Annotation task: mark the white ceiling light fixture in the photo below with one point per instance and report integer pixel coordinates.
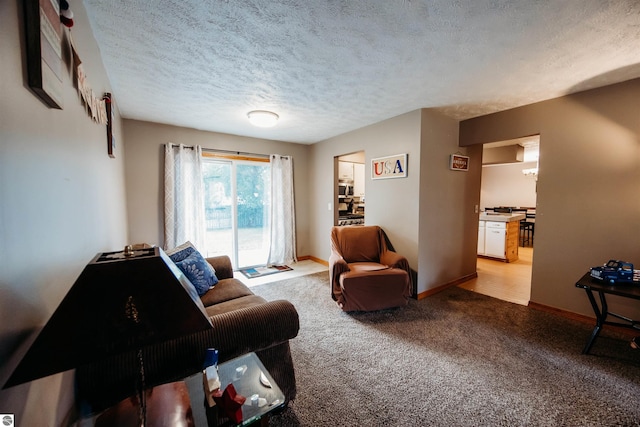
(263, 118)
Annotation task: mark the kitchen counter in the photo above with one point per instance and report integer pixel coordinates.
(501, 217)
(498, 235)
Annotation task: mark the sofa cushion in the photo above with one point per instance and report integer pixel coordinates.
(235, 304)
(199, 272)
(225, 290)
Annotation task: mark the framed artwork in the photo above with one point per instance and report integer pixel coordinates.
(111, 143)
(458, 162)
(389, 167)
(44, 32)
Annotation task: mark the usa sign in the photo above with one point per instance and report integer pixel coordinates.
(389, 167)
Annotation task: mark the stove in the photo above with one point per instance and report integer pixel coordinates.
(351, 219)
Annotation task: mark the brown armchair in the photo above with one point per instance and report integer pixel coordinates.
(365, 274)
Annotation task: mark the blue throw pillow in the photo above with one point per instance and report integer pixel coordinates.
(199, 272)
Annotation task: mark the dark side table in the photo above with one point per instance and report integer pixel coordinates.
(591, 285)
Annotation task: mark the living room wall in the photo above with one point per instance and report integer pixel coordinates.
(145, 174)
(448, 224)
(587, 206)
(63, 201)
(429, 215)
(390, 203)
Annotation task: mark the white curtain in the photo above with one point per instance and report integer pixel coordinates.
(183, 196)
(283, 220)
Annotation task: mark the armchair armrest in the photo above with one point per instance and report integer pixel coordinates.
(337, 266)
(222, 265)
(337, 263)
(393, 259)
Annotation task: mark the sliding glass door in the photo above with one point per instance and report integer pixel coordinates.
(237, 206)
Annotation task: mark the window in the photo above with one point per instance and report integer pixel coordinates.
(237, 206)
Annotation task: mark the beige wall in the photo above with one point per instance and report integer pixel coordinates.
(145, 165)
(448, 221)
(506, 185)
(390, 203)
(588, 209)
(62, 200)
(429, 216)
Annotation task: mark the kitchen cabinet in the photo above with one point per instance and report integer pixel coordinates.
(345, 171)
(494, 240)
(500, 239)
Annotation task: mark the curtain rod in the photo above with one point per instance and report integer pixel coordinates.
(237, 153)
(213, 150)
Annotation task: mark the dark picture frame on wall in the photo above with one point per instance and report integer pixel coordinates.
(44, 32)
(458, 162)
(111, 143)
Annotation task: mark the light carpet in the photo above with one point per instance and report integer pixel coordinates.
(456, 358)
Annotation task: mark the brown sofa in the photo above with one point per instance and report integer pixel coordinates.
(242, 322)
(365, 274)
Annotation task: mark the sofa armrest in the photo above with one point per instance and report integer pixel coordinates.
(253, 328)
(222, 265)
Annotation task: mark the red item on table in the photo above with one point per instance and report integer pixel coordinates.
(230, 402)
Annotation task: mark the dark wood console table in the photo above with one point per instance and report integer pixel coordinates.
(591, 285)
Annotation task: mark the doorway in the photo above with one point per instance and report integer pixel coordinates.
(349, 196)
(509, 180)
(237, 206)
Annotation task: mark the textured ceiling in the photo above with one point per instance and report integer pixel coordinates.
(329, 67)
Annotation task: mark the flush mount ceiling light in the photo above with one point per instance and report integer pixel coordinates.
(262, 118)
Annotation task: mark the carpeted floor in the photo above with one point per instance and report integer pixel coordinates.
(454, 359)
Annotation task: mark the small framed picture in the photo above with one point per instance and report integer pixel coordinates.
(458, 162)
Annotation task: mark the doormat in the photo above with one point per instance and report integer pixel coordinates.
(254, 272)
